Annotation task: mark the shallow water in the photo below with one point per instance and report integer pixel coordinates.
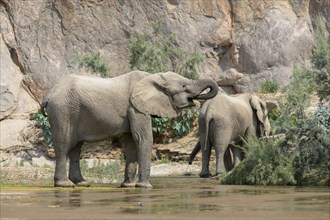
(176, 198)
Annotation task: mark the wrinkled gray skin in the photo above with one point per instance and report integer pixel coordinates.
(225, 120)
(85, 108)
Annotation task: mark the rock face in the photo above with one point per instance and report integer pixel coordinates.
(243, 41)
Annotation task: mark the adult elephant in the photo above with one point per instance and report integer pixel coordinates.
(223, 122)
(85, 108)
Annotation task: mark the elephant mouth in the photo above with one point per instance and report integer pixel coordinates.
(189, 103)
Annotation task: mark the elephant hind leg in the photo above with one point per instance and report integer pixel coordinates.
(60, 177)
(220, 146)
(74, 169)
(131, 155)
(206, 154)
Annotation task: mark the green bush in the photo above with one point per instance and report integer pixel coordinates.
(321, 61)
(311, 141)
(177, 127)
(269, 86)
(321, 57)
(160, 53)
(297, 97)
(43, 123)
(94, 63)
(266, 162)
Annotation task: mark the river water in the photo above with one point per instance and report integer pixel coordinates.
(171, 198)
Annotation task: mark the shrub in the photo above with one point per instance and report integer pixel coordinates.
(321, 57)
(321, 61)
(296, 99)
(177, 127)
(94, 63)
(184, 122)
(311, 141)
(269, 86)
(266, 162)
(43, 123)
(160, 53)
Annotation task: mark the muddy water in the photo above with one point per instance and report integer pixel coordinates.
(171, 198)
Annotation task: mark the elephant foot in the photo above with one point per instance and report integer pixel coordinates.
(144, 184)
(204, 175)
(128, 184)
(64, 183)
(83, 183)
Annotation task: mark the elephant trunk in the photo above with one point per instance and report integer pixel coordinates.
(206, 84)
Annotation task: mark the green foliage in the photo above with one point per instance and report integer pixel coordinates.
(184, 122)
(43, 123)
(160, 125)
(178, 127)
(269, 86)
(296, 100)
(311, 141)
(94, 63)
(321, 61)
(160, 53)
(165, 160)
(322, 79)
(266, 162)
(321, 58)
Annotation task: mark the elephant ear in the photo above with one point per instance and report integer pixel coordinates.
(260, 106)
(149, 96)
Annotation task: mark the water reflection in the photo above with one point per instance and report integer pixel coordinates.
(68, 199)
(182, 197)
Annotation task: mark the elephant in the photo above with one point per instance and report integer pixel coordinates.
(84, 108)
(223, 122)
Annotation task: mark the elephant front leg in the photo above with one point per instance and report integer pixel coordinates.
(144, 165)
(131, 155)
(141, 130)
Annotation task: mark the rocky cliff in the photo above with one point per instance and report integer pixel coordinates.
(243, 42)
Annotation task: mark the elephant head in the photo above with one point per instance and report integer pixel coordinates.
(163, 94)
(263, 128)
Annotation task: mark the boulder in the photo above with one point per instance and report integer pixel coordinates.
(11, 132)
(10, 79)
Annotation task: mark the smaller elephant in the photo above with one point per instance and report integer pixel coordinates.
(223, 122)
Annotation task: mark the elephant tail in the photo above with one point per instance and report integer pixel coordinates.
(43, 107)
(205, 137)
(194, 152)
